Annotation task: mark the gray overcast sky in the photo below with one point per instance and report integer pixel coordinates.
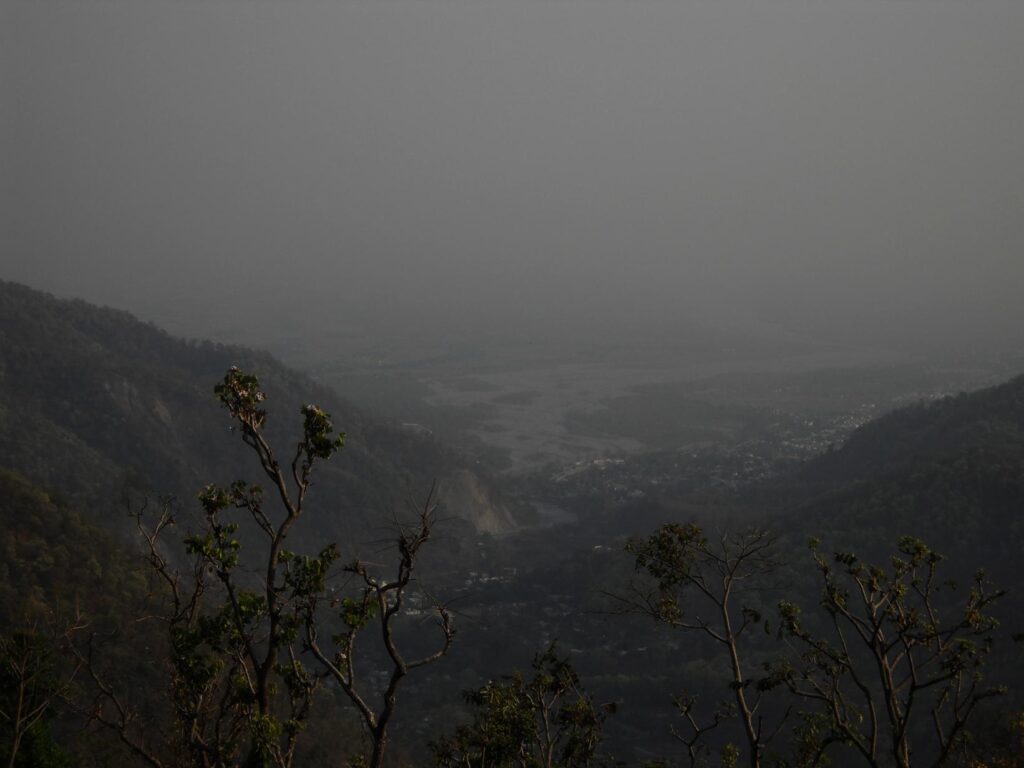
(846, 168)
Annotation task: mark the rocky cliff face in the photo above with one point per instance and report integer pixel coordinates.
(471, 498)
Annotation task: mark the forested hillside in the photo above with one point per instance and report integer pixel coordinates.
(94, 402)
(951, 470)
(919, 435)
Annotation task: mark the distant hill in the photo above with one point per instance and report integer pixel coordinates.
(917, 436)
(950, 472)
(94, 402)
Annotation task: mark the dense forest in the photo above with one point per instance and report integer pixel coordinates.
(170, 595)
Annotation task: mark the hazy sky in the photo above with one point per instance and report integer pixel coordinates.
(843, 168)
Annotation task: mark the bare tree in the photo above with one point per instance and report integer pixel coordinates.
(379, 600)
(692, 734)
(888, 666)
(206, 658)
(33, 683)
(697, 584)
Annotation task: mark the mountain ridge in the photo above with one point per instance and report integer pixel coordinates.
(93, 400)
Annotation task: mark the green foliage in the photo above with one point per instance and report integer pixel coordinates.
(240, 393)
(356, 614)
(670, 554)
(39, 749)
(316, 431)
(31, 683)
(307, 575)
(55, 565)
(547, 720)
(232, 608)
(243, 652)
(900, 652)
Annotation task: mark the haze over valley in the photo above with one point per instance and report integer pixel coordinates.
(450, 383)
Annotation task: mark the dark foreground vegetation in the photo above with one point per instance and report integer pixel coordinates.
(302, 614)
